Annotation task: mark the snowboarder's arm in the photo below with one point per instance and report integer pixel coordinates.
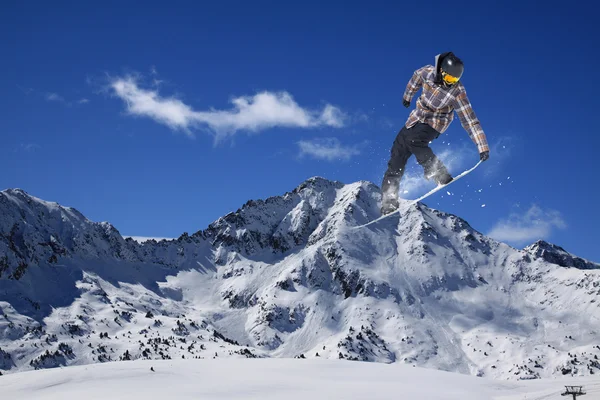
(415, 83)
(470, 122)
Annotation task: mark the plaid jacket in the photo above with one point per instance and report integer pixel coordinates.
(437, 104)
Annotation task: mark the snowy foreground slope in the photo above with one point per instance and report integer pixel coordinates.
(272, 379)
(290, 276)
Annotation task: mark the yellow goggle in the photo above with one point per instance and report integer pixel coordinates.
(449, 79)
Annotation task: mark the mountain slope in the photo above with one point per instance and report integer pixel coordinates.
(291, 276)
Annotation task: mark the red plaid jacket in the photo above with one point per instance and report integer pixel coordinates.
(437, 104)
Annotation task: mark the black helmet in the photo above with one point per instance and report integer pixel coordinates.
(451, 69)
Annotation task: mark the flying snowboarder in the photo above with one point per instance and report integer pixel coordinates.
(443, 93)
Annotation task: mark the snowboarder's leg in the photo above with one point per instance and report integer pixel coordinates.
(417, 140)
(391, 179)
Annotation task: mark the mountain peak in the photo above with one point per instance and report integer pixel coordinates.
(557, 255)
(318, 183)
(21, 195)
(15, 191)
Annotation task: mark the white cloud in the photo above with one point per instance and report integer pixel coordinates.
(333, 116)
(329, 149)
(83, 101)
(411, 183)
(54, 97)
(251, 113)
(526, 228)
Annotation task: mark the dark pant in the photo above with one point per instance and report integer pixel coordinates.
(414, 140)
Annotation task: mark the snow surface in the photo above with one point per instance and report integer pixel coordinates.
(271, 379)
(289, 277)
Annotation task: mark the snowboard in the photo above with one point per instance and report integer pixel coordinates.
(432, 191)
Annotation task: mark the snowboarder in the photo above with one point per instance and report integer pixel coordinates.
(443, 93)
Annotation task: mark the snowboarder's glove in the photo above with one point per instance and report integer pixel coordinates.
(406, 103)
(484, 155)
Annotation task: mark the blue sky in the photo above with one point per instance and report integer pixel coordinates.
(161, 117)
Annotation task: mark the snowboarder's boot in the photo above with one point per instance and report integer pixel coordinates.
(389, 205)
(440, 175)
(443, 178)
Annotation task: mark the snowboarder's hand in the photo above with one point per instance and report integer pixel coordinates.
(406, 103)
(484, 155)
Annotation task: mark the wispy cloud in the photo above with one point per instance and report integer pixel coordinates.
(55, 97)
(27, 147)
(250, 113)
(155, 81)
(330, 149)
(524, 228)
(52, 96)
(25, 90)
(331, 116)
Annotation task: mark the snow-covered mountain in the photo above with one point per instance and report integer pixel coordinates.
(292, 276)
(557, 255)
